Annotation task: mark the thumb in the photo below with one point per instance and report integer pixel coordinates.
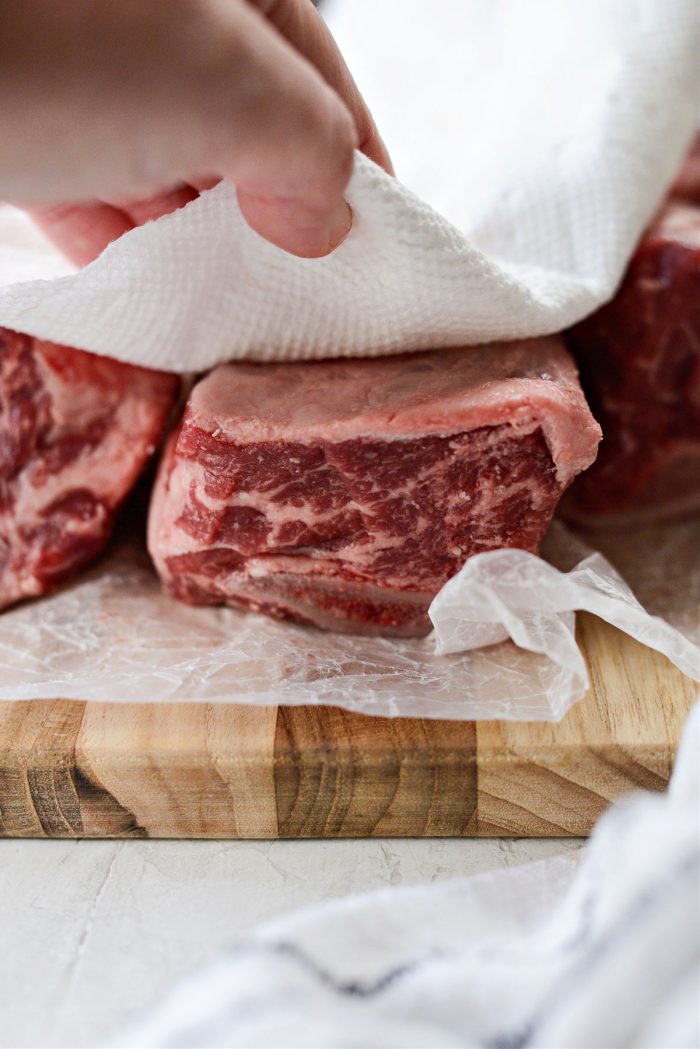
(294, 159)
(295, 226)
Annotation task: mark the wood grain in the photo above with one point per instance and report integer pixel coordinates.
(93, 770)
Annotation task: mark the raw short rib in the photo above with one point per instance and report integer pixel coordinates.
(687, 184)
(75, 432)
(639, 359)
(346, 493)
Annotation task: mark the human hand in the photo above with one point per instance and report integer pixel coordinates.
(115, 113)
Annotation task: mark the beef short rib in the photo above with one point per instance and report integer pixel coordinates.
(687, 184)
(75, 432)
(639, 359)
(346, 493)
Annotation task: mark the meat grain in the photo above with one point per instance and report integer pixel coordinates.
(75, 433)
(639, 359)
(687, 184)
(346, 493)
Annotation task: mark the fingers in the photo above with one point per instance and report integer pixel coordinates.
(291, 150)
(140, 211)
(81, 231)
(161, 95)
(246, 105)
(304, 232)
(300, 23)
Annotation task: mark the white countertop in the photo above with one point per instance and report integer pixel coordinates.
(94, 931)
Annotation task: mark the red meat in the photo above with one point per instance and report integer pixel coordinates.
(639, 359)
(687, 184)
(75, 432)
(345, 493)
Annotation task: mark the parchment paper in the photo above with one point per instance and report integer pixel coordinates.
(113, 635)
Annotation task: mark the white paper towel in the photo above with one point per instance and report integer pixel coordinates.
(545, 131)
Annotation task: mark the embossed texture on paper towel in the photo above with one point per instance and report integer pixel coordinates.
(543, 134)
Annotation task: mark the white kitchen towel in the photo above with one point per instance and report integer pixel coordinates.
(594, 952)
(543, 134)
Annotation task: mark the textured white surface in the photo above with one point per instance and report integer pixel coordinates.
(136, 643)
(543, 133)
(94, 932)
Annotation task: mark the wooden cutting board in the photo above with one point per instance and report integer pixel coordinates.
(92, 770)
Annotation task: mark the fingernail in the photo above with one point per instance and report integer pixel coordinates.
(340, 225)
(294, 228)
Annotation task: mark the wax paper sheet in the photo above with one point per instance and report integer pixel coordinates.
(113, 635)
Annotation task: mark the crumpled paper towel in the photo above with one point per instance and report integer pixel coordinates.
(543, 133)
(114, 635)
